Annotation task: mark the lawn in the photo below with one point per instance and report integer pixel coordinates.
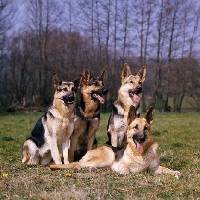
(178, 136)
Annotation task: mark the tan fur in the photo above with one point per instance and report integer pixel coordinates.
(87, 114)
(54, 127)
(141, 152)
(131, 87)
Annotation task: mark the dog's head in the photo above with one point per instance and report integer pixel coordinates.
(93, 87)
(139, 132)
(66, 91)
(131, 86)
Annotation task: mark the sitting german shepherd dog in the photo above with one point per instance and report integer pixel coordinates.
(87, 115)
(54, 127)
(129, 94)
(138, 155)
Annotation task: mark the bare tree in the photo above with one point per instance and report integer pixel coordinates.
(173, 12)
(187, 66)
(144, 10)
(125, 15)
(42, 16)
(157, 92)
(7, 13)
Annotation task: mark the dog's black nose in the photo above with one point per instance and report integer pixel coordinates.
(68, 99)
(71, 97)
(141, 139)
(138, 89)
(104, 91)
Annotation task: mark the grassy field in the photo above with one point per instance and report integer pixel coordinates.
(177, 134)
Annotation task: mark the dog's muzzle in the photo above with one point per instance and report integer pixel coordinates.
(69, 99)
(140, 138)
(104, 91)
(98, 95)
(139, 142)
(138, 90)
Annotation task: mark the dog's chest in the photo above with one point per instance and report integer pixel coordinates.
(138, 162)
(63, 130)
(120, 125)
(59, 125)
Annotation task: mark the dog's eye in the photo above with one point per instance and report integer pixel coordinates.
(140, 82)
(136, 126)
(64, 89)
(145, 128)
(96, 83)
(73, 89)
(131, 82)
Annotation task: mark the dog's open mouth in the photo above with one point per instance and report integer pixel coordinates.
(99, 98)
(135, 97)
(69, 99)
(68, 102)
(139, 146)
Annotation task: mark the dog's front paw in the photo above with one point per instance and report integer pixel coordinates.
(124, 171)
(66, 162)
(58, 162)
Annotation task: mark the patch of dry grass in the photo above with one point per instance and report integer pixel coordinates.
(177, 135)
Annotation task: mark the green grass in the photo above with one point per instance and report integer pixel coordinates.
(177, 134)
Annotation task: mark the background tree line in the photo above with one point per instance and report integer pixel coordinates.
(40, 37)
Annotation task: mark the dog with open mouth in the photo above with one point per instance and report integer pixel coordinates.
(87, 115)
(139, 154)
(129, 94)
(54, 127)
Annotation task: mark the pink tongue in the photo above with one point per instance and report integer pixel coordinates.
(101, 99)
(139, 147)
(136, 98)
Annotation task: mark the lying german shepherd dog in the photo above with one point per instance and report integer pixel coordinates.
(87, 115)
(54, 127)
(138, 155)
(129, 94)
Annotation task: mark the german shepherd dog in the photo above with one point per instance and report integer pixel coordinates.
(87, 115)
(138, 155)
(129, 94)
(54, 127)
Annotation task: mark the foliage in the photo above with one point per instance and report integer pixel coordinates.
(177, 135)
(65, 36)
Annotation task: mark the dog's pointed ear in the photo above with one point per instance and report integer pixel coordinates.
(126, 71)
(86, 76)
(149, 116)
(77, 82)
(56, 80)
(101, 76)
(142, 73)
(86, 73)
(131, 114)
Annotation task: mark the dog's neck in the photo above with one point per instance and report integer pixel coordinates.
(131, 147)
(123, 109)
(88, 108)
(89, 114)
(63, 109)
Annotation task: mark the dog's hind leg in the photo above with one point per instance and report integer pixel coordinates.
(34, 159)
(30, 153)
(98, 158)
